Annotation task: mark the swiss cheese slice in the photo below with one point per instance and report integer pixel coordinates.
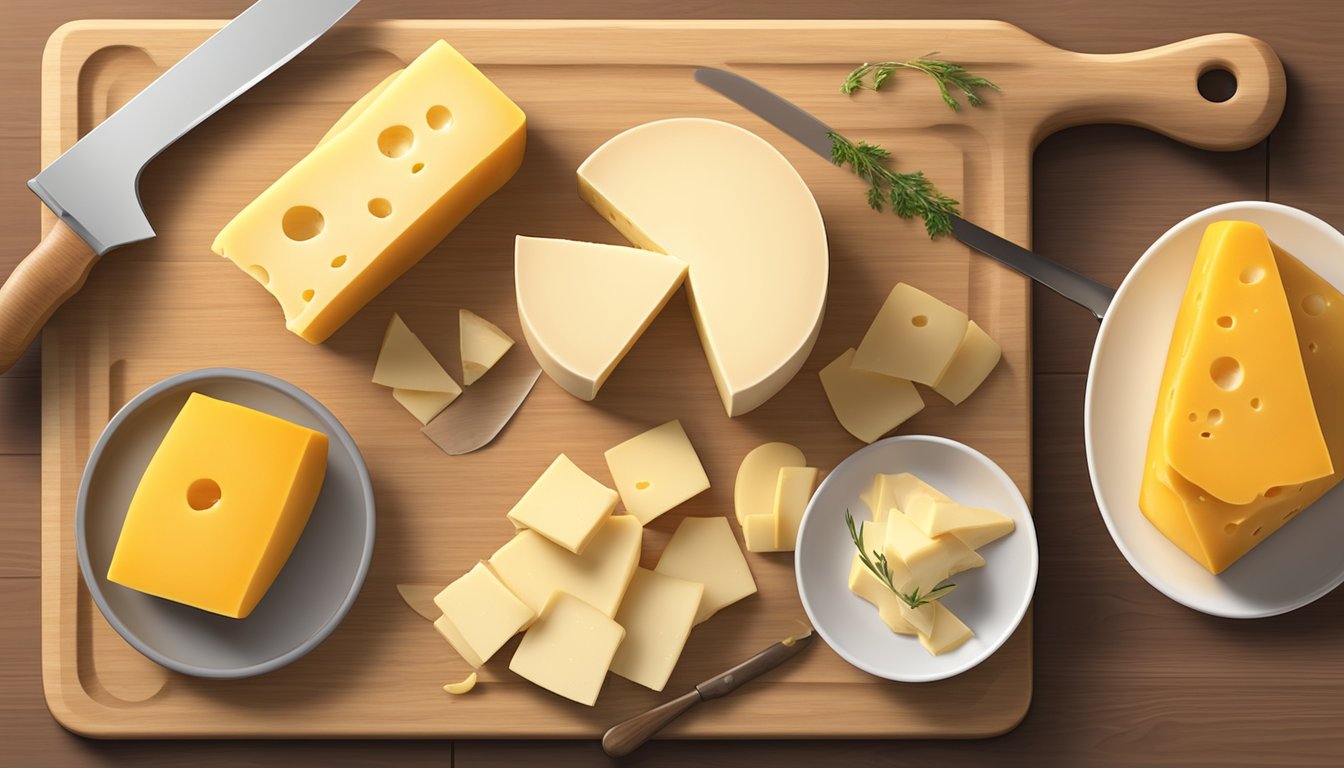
(758, 476)
(481, 342)
(584, 305)
(733, 207)
(1240, 420)
(533, 567)
(569, 649)
(868, 405)
(914, 336)
(394, 177)
(656, 470)
(703, 549)
(657, 614)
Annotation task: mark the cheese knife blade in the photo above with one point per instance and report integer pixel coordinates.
(625, 737)
(487, 406)
(816, 136)
(93, 188)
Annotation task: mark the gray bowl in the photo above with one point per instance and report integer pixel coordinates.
(314, 590)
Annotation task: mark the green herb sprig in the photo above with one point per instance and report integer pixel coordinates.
(908, 194)
(882, 570)
(947, 75)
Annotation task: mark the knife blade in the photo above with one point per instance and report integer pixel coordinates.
(486, 407)
(812, 133)
(93, 188)
(625, 737)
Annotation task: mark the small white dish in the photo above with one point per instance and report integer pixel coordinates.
(991, 600)
(1298, 564)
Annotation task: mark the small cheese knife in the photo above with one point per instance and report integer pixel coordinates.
(815, 135)
(94, 186)
(624, 738)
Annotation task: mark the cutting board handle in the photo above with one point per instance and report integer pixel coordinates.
(42, 282)
(1158, 89)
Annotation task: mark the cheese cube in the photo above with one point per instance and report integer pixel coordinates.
(949, 633)
(569, 649)
(974, 527)
(533, 567)
(565, 505)
(365, 205)
(703, 549)
(930, 561)
(759, 533)
(657, 614)
(417, 380)
(656, 470)
(758, 476)
(482, 613)
(914, 337)
(482, 343)
(868, 405)
(970, 366)
(792, 494)
(220, 507)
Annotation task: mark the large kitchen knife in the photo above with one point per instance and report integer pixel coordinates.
(94, 187)
(816, 136)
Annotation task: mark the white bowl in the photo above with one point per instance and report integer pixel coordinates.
(991, 600)
(1299, 563)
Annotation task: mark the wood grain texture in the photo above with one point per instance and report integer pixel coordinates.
(1074, 721)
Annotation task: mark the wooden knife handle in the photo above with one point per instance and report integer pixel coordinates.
(42, 282)
(624, 738)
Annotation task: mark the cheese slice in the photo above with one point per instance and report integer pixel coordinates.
(759, 533)
(656, 470)
(758, 477)
(424, 406)
(1213, 532)
(424, 149)
(868, 586)
(220, 507)
(974, 360)
(703, 549)
(565, 505)
(481, 614)
(914, 337)
(737, 212)
(973, 526)
(418, 382)
(482, 343)
(792, 494)
(929, 560)
(569, 649)
(1240, 417)
(949, 633)
(533, 567)
(868, 405)
(657, 614)
(584, 305)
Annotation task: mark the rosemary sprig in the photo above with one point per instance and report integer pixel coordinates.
(908, 194)
(882, 570)
(947, 75)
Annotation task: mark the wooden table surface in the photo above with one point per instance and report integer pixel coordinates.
(1123, 675)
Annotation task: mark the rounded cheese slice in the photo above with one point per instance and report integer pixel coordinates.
(731, 206)
(584, 305)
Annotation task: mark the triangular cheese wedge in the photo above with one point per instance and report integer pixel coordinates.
(482, 343)
(583, 305)
(1241, 419)
(973, 526)
(424, 406)
(405, 363)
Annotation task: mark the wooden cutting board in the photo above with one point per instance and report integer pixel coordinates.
(168, 305)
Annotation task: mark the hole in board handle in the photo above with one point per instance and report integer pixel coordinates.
(1217, 84)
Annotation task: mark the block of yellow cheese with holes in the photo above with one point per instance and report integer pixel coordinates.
(1240, 418)
(1210, 530)
(220, 507)
(400, 170)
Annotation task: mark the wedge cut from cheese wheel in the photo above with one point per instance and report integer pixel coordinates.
(974, 526)
(732, 206)
(1235, 343)
(404, 362)
(914, 336)
(584, 305)
(868, 405)
(424, 406)
(569, 649)
(657, 614)
(971, 365)
(533, 567)
(481, 342)
(758, 476)
(703, 549)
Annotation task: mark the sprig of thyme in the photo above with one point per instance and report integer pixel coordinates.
(882, 570)
(947, 75)
(908, 194)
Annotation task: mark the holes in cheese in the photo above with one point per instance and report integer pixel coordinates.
(203, 494)
(584, 305)
(417, 380)
(565, 505)
(482, 344)
(657, 613)
(569, 649)
(480, 614)
(381, 222)
(662, 461)
(868, 405)
(704, 550)
(913, 337)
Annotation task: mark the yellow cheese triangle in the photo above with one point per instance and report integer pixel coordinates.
(406, 363)
(424, 406)
(482, 344)
(1241, 420)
